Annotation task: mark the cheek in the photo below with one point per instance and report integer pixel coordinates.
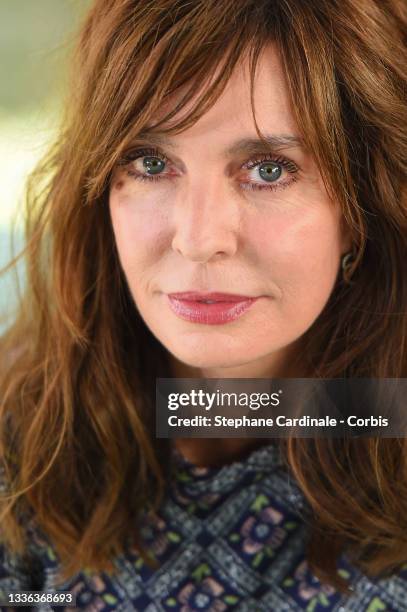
(299, 248)
(139, 227)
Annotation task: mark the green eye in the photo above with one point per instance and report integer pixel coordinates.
(153, 165)
(269, 171)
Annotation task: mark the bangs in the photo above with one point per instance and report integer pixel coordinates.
(179, 88)
(201, 93)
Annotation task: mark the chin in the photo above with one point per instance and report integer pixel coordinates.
(204, 359)
(210, 357)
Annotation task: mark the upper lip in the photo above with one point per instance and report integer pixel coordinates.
(215, 296)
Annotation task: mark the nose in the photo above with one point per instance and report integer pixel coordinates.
(207, 221)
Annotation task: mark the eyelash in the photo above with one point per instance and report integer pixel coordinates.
(252, 163)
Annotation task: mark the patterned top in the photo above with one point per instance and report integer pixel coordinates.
(227, 538)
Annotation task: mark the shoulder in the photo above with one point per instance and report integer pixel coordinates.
(389, 593)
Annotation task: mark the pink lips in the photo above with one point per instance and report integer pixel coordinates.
(225, 307)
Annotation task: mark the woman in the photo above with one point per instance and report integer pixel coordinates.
(254, 148)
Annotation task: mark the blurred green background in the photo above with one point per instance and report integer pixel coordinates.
(36, 39)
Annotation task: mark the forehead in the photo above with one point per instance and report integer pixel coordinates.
(232, 112)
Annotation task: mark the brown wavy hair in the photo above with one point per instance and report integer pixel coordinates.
(78, 363)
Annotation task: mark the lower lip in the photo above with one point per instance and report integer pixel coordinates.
(210, 314)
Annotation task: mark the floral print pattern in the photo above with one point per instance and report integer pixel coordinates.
(230, 538)
(203, 592)
(307, 588)
(262, 532)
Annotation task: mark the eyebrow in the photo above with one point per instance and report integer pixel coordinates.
(241, 146)
(273, 141)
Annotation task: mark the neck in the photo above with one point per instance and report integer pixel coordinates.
(212, 452)
(215, 452)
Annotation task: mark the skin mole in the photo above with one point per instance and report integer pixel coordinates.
(118, 184)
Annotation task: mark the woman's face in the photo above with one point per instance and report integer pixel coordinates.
(221, 214)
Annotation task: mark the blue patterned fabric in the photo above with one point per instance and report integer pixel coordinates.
(229, 538)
